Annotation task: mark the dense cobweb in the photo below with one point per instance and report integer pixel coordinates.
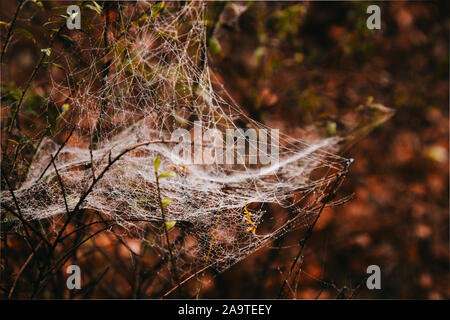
(154, 80)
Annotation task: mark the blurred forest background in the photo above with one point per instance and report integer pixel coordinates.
(309, 65)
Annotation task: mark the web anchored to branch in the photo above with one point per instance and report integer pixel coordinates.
(155, 97)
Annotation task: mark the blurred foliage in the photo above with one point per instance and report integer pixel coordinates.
(310, 69)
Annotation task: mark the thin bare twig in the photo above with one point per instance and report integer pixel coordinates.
(111, 162)
(329, 197)
(15, 111)
(94, 283)
(166, 232)
(56, 154)
(207, 257)
(63, 190)
(23, 221)
(19, 215)
(185, 280)
(11, 28)
(64, 258)
(22, 269)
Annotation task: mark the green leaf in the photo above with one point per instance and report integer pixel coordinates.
(47, 51)
(166, 201)
(25, 33)
(38, 3)
(64, 109)
(58, 8)
(50, 22)
(167, 174)
(259, 53)
(170, 224)
(57, 65)
(96, 7)
(215, 46)
(66, 39)
(331, 128)
(157, 163)
(157, 8)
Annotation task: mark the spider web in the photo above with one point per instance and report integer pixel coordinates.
(157, 79)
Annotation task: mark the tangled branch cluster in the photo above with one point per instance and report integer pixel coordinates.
(141, 85)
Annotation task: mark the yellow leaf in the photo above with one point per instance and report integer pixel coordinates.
(170, 224)
(13, 141)
(167, 174)
(157, 163)
(165, 202)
